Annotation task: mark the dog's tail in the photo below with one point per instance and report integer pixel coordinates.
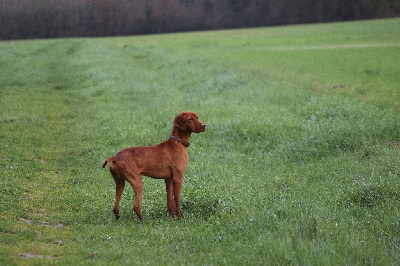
(108, 161)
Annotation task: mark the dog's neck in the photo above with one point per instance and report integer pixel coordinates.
(183, 142)
(180, 136)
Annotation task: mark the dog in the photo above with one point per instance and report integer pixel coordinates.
(166, 160)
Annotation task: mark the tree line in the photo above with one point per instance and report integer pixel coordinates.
(21, 19)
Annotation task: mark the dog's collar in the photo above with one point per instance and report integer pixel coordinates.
(183, 142)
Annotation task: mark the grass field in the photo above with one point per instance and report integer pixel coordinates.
(300, 162)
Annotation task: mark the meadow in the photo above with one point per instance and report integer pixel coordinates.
(299, 164)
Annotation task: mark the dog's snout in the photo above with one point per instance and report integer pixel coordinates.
(203, 126)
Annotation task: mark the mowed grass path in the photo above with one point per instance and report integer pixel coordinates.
(299, 163)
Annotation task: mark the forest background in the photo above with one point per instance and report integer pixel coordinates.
(24, 19)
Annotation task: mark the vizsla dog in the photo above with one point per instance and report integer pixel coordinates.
(166, 160)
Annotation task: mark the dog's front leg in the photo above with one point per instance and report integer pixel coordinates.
(177, 195)
(170, 195)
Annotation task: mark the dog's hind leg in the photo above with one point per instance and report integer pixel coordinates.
(119, 188)
(136, 182)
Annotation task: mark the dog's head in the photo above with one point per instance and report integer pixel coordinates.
(189, 121)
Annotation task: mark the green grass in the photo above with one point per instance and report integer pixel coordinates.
(289, 170)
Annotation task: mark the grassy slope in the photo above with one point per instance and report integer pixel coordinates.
(282, 175)
(352, 59)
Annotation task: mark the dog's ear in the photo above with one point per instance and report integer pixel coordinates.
(180, 122)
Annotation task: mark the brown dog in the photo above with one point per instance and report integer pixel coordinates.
(166, 160)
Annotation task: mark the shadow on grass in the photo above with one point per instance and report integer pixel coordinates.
(199, 208)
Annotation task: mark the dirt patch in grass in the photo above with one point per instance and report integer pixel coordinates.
(29, 255)
(33, 222)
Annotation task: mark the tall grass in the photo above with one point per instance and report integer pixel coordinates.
(284, 174)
